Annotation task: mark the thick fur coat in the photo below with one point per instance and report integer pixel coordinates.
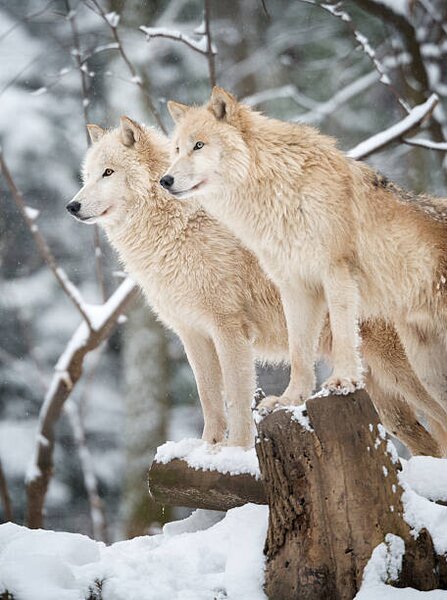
(329, 231)
(211, 291)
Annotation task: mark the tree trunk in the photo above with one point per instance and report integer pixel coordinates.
(334, 494)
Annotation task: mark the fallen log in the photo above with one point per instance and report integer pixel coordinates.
(176, 483)
(331, 480)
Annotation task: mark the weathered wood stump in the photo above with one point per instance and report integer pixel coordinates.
(176, 483)
(334, 494)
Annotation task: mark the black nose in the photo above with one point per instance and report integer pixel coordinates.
(73, 207)
(167, 181)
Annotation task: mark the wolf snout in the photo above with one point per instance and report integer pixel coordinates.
(166, 181)
(73, 207)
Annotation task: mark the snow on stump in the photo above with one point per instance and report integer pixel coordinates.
(192, 473)
(330, 476)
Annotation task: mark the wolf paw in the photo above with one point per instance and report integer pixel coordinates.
(342, 385)
(270, 403)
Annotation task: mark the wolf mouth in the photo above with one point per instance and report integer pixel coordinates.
(181, 193)
(93, 218)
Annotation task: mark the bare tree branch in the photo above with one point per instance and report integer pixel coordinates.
(82, 70)
(209, 46)
(112, 20)
(67, 372)
(30, 216)
(4, 495)
(97, 512)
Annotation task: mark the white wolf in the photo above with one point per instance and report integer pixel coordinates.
(331, 233)
(212, 292)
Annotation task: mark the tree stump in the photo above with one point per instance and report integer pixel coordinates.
(334, 494)
(177, 484)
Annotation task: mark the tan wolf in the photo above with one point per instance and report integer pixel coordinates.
(329, 231)
(212, 292)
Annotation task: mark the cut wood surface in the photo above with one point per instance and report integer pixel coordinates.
(334, 494)
(178, 484)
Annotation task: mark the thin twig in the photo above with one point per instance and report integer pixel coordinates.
(97, 512)
(82, 70)
(131, 68)
(4, 495)
(68, 287)
(209, 46)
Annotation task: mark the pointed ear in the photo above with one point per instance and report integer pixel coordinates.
(222, 104)
(177, 110)
(95, 132)
(131, 131)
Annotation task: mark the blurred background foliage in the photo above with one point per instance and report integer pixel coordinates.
(290, 58)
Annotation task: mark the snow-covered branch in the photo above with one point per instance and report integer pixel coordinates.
(203, 45)
(416, 116)
(30, 215)
(67, 372)
(199, 46)
(428, 144)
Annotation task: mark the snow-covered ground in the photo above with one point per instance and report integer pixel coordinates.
(208, 556)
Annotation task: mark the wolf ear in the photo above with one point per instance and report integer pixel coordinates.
(176, 110)
(95, 132)
(131, 131)
(222, 104)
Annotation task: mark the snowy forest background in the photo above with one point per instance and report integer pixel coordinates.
(67, 62)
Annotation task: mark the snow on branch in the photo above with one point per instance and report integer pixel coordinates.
(199, 46)
(429, 144)
(416, 116)
(67, 286)
(67, 372)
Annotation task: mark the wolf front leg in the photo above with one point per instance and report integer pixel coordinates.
(202, 357)
(304, 308)
(239, 379)
(342, 297)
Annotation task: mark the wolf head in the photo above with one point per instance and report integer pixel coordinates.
(118, 161)
(208, 146)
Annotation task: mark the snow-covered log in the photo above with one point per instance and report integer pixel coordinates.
(176, 483)
(331, 479)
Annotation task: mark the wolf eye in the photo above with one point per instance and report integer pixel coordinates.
(198, 145)
(108, 172)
